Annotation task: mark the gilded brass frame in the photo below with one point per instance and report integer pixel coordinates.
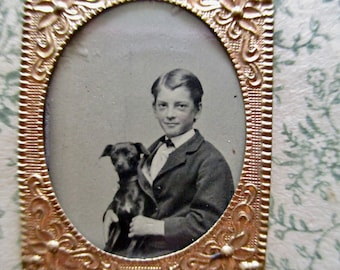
(238, 241)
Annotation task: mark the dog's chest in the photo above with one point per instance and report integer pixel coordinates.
(129, 200)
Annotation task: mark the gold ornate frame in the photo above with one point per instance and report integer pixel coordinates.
(238, 241)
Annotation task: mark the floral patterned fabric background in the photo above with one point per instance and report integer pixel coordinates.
(304, 228)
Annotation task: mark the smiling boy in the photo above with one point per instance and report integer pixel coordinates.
(187, 181)
(192, 186)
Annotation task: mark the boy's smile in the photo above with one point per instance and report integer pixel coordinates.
(175, 111)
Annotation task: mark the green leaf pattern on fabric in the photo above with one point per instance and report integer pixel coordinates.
(304, 223)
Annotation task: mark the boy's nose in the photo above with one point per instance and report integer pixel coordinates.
(170, 113)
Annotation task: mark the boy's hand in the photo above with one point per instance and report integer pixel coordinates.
(141, 226)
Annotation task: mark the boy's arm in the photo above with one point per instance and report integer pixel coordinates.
(215, 189)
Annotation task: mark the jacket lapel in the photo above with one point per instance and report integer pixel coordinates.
(175, 159)
(144, 184)
(143, 181)
(179, 156)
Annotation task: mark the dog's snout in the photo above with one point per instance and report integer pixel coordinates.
(120, 163)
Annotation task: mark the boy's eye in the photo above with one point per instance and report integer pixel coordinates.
(161, 105)
(182, 106)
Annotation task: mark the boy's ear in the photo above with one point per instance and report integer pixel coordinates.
(200, 107)
(199, 111)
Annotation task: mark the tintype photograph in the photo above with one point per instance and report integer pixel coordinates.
(145, 130)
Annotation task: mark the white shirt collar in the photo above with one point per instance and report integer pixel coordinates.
(183, 138)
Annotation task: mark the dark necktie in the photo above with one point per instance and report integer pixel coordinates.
(163, 140)
(168, 142)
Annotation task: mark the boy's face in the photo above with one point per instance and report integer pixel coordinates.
(175, 111)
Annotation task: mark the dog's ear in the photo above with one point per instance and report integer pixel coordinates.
(141, 148)
(108, 150)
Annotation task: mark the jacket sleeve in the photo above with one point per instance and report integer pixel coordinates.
(214, 190)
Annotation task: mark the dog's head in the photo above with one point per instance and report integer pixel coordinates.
(125, 156)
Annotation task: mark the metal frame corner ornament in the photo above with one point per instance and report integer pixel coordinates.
(238, 241)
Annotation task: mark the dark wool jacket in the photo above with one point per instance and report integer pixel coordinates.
(190, 193)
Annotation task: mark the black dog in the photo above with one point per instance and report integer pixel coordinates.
(129, 200)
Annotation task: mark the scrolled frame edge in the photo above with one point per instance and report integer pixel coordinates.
(36, 192)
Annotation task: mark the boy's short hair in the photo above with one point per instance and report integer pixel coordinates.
(178, 78)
